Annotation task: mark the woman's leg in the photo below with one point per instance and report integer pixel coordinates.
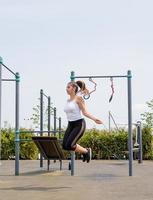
(73, 133)
(80, 149)
(66, 136)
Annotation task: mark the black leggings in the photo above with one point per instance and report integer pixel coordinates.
(73, 133)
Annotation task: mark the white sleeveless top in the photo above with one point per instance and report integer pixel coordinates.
(72, 110)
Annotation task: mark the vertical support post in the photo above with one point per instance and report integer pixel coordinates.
(54, 121)
(41, 122)
(140, 142)
(1, 61)
(130, 136)
(72, 162)
(72, 77)
(49, 114)
(60, 127)
(17, 136)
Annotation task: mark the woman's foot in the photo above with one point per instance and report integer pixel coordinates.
(87, 156)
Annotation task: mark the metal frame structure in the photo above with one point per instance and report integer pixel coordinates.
(17, 130)
(138, 139)
(72, 77)
(41, 131)
(128, 76)
(42, 94)
(17, 81)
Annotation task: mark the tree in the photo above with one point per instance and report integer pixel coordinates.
(36, 116)
(147, 117)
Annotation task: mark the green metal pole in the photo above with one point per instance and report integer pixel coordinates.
(17, 137)
(41, 122)
(72, 77)
(60, 128)
(139, 128)
(130, 135)
(49, 114)
(55, 122)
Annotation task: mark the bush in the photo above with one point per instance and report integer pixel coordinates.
(7, 144)
(105, 145)
(147, 143)
(28, 150)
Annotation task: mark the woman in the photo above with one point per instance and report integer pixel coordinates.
(76, 124)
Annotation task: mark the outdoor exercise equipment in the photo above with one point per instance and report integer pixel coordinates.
(128, 76)
(54, 144)
(50, 148)
(112, 88)
(137, 146)
(17, 82)
(17, 130)
(87, 96)
(45, 142)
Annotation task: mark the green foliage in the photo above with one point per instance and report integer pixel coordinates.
(28, 150)
(147, 117)
(36, 115)
(105, 145)
(7, 143)
(147, 143)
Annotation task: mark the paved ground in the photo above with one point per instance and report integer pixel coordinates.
(99, 180)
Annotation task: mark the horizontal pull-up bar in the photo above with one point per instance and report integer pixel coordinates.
(109, 76)
(101, 76)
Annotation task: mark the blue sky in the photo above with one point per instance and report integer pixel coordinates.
(45, 40)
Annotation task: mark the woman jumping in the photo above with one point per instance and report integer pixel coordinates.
(76, 124)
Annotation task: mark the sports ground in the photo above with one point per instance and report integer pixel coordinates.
(99, 180)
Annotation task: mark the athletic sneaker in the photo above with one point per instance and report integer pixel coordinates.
(84, 157)
(87, 156)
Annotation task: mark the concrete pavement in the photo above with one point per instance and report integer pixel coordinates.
(99, 180)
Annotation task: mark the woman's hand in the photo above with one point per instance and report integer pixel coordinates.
(98, 121)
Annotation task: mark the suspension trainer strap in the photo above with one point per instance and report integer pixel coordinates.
(87, 96)
(112, 87)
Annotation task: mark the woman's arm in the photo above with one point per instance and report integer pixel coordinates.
(81, 103)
